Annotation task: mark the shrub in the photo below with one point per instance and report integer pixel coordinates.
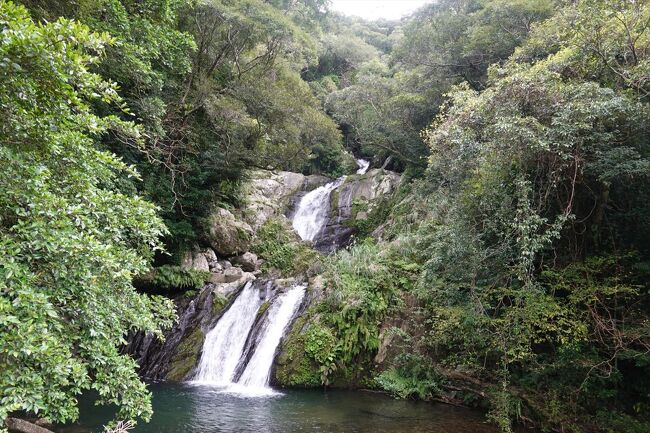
(281, 250)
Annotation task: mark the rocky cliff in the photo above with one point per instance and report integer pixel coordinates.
(352, 202)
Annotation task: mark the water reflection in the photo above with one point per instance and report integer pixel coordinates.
(202, 409)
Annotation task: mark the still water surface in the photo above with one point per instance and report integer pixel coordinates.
(183, 408)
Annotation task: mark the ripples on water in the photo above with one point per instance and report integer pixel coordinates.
(202, 409)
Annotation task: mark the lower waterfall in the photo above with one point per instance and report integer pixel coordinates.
(224, 345)
(258, 369)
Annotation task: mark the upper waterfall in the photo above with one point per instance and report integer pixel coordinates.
(313, 209)
(363, 166)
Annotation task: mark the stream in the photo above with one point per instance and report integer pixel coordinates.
(186, 408)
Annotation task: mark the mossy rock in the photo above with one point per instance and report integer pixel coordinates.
(294, 368)
(186, 356)
(334, 201)
(219, 301)
(227, 234)
(281, 249)
(265, 306)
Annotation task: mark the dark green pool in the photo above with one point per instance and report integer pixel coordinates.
(199, 409)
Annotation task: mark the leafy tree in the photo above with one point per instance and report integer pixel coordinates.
(457, 40)
(544, 173)
(70, 241)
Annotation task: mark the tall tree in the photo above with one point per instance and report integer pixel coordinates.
(70, 240)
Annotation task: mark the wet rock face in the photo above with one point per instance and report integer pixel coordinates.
(269, 193)
(175, 358)
(367, 189)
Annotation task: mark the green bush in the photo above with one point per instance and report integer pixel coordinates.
(281, 250)
(363, 286)
(413, 376)
(169, 277)
(321, 346)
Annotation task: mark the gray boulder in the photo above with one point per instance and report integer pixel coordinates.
(224, 264)
(210, 257)
(247, 261)
(229, 275)
(18, 425)
(196, 260)
(227, 288)
(227, 234)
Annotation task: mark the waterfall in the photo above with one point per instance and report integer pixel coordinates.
(313, 209)
(363, 166)
(228, 346)
(224, 344)
(254, 379)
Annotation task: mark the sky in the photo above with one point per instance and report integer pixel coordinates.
(374, 9)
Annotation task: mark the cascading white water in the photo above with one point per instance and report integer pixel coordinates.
(313, 209)
(363, 166)
(224, 344)
(255, 378)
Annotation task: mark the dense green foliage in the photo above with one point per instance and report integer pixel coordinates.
(282, 250)
(169, 278)
(546, 169)
(363, 284)
(70, 240)
(525, 229)
(392, 79)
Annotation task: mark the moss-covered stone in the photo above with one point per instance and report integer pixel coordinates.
(282, 250)
(265, 306)
(294, 368)
(186, 356)
(219, 301)
(334, 201)
(227, 234)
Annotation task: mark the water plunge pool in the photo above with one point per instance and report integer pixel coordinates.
(186, 408)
